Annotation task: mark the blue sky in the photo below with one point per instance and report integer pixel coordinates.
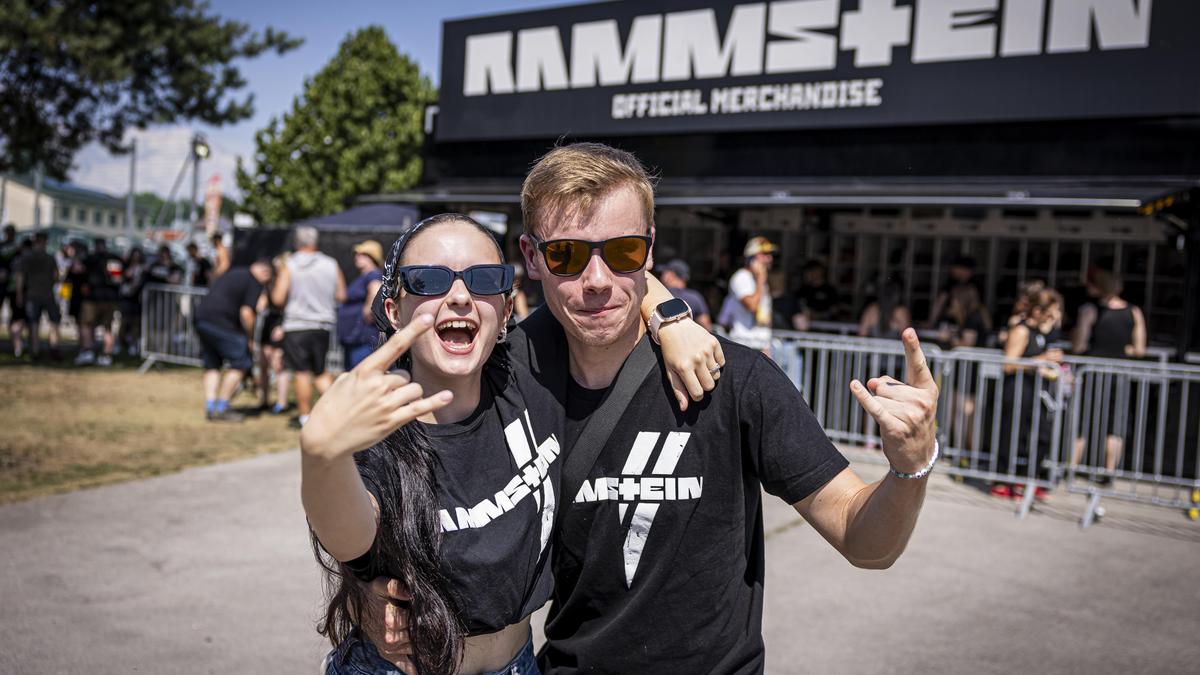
(414, 27)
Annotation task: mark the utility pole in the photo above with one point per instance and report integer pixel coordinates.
(199, 152)
(37, 198)
(129, 197)
(3, 195)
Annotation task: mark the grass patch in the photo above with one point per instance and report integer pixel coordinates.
(65, 428)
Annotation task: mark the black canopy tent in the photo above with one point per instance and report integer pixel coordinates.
(340, 232)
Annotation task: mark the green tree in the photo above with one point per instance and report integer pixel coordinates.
(357, 129)
(76, 71)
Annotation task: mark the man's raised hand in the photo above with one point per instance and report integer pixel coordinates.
(905, 412)
(365, 405)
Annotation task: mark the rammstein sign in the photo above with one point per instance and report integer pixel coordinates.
(677, 66)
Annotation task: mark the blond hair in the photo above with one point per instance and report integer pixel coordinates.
(568, 181)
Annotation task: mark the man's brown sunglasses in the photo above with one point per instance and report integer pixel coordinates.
(568, 257)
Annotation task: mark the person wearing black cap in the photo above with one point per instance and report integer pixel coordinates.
(674, 275)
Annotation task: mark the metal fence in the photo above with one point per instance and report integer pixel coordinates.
(1106, 428)
(169, 333)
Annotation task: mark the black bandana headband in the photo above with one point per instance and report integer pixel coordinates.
(389, 284)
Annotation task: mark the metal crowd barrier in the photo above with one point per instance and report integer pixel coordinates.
(1134, 434)
(1025, 423)
(169, 334)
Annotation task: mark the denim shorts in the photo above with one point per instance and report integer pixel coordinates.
(357, 656)
(219, 345)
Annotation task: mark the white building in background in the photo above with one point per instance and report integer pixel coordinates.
(63, 205)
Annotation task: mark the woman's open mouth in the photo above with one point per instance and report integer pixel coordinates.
(457, 335)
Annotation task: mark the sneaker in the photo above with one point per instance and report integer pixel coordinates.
(1041, 494)
(104, 360)
(85, 359)
(1001, 490)
(294, 423)
(226, 416)
(281, 409)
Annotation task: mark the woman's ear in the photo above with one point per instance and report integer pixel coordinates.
(393, 312)
(510, 301)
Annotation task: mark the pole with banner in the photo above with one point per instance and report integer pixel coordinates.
(212, 206)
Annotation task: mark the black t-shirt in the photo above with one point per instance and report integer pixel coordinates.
(160, 272)
(223, 304)
(499, 481)
(103, 272)
(659, 558)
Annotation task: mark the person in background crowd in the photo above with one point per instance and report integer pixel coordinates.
(1028, 338)
(76, 280)
(16, 319)
(8, 251)
(130, 304)
(100, 294)
(520, 298)
(962, 273)
(674, 275)
(222, 255)
(886, 315)
(270, 340)
(198, 271)
(225, 326)
(164, 269)
(746, 311)
(36, 272)
(356, 325)
(1112, 328)
(816, 299)
(309, 288)
(62, 291)
(964, 322)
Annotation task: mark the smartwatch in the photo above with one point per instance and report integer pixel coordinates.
(668, 312)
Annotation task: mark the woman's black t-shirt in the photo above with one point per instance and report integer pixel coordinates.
(498, 487)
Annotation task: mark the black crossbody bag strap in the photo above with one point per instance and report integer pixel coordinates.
(582, 456)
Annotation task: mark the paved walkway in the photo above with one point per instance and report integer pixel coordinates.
(210, 571)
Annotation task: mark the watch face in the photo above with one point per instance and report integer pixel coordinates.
(673, 308)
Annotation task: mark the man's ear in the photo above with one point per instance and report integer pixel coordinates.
(529, 252)
(650, 253)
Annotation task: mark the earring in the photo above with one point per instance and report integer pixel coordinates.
(503, 334)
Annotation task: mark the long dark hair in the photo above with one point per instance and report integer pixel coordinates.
(401, 471)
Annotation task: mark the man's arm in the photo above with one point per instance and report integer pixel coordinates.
(339, 292)
(283, 281)
(871, 524)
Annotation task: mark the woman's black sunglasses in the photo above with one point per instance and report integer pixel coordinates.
(568, 257)
(437, 279)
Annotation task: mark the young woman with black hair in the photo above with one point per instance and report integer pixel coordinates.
(453, 494)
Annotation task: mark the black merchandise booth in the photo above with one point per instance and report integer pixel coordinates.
(1040, 138)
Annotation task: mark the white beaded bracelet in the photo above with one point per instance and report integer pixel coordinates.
(923, 472)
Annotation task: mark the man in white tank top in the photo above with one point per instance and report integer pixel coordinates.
(309, 288)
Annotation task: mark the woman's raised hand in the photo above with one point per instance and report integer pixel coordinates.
(694, 359)
(364, 406)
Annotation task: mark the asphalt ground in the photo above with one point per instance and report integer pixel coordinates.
(211, 571)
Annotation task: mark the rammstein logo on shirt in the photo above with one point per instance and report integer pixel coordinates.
(530, 479)
(644, 491)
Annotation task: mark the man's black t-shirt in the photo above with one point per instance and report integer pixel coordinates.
(232, 291)
(498, 485)
(659, 558)
(160, 272)
(103, 270)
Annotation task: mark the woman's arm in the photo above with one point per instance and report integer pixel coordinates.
(692, 355)
(360, 409)
(1014, 347)
(1138, 349)
(372, 289)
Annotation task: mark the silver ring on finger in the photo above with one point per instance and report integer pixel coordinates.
(715, 370)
